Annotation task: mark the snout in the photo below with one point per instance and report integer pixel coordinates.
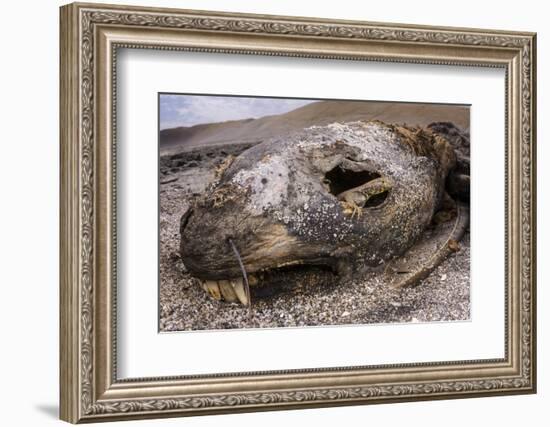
(214, 245)
(231, 252)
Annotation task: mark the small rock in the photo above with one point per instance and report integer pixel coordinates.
(443, 277)
(454, 245)
(345, 314)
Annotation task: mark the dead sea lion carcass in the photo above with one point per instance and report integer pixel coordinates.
(337, 198)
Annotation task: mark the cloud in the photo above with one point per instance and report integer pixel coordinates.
(189, 110)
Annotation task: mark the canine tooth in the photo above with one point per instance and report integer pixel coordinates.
(213, 289)
(238, 286)
(227, 290)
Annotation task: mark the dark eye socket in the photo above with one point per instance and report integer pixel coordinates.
(340, 179)
(377, 199)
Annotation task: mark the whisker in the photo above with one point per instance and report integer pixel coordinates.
(245, 276)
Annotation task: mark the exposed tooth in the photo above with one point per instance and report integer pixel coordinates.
(238, 287)
(213, 289)
(227, 290)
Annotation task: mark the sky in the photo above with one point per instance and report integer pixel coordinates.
(189, 110)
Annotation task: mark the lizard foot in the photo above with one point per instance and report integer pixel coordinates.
(352, 209)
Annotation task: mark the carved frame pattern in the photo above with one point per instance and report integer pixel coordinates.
(79, 398)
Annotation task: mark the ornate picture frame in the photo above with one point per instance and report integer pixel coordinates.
(90, 37)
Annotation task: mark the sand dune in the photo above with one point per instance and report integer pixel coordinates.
(317, 113)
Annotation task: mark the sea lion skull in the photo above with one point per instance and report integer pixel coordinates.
(340, 197)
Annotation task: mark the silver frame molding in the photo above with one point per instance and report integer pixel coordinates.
(90, 37)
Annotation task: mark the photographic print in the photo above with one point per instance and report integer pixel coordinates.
(281, 212)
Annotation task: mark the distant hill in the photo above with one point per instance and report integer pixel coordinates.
(317, 113)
